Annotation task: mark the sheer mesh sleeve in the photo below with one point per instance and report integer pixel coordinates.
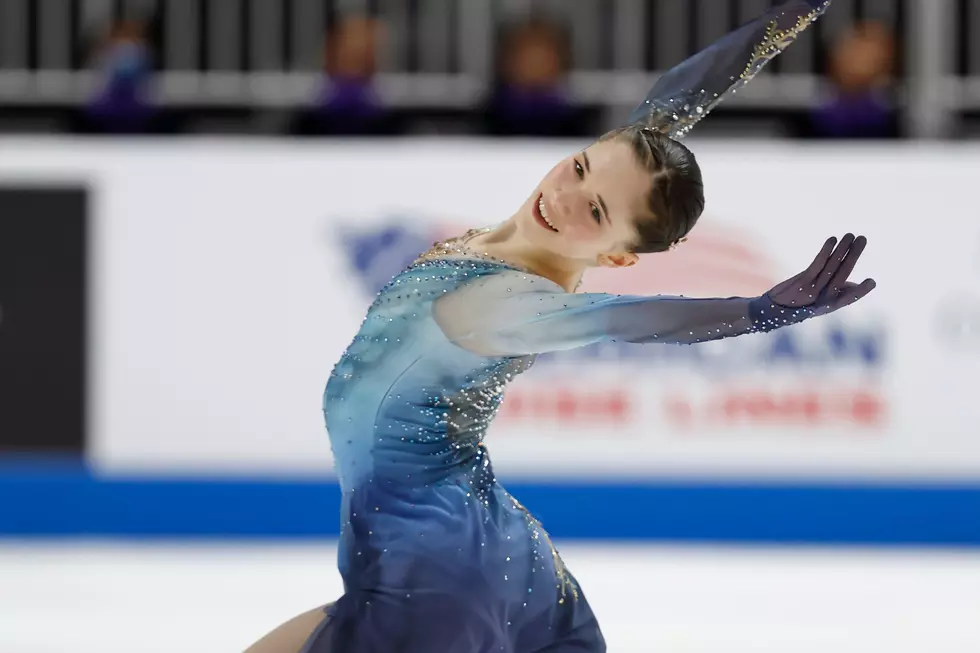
(514, 314)
(686, 93)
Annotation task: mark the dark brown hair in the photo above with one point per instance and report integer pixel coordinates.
(676, 198)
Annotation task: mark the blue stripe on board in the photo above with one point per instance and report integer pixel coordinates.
(63, 499)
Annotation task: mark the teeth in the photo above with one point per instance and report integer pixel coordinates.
(544, 212)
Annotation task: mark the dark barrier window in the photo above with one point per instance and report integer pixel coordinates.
(42, 319)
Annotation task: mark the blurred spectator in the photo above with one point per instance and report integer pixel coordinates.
(529, 98)
(860, 104)
(349, 103)
(122, 105)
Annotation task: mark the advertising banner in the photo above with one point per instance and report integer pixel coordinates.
(228, 277)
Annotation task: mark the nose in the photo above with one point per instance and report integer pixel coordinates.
(567, 202)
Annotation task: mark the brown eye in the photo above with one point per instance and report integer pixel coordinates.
(596, 214)
(579, 170)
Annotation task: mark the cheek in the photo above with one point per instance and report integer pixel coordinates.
(584, 232)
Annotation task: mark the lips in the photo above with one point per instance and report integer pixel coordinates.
(541, 214)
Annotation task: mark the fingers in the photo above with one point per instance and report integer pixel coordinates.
(839, 278)
(849, 293)
(863, 289)
(828, 272)
(820, 261)
(833, 263)
(852, 292)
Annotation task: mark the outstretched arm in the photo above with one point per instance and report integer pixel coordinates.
(514, 314)
(686, 93)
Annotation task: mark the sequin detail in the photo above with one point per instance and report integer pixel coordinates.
(776, 40)
(458, 249)
(682, 99)
(410, 402)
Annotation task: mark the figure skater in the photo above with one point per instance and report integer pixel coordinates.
(435, 555)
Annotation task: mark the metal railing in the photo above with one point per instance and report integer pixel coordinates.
(441, 53)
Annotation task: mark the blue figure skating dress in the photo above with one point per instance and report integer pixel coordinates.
(435, 555)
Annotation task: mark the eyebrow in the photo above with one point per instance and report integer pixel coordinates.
(585, 157)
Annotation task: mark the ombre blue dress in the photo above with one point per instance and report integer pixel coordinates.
(435, 555)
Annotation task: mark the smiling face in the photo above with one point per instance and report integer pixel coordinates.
(586, 209)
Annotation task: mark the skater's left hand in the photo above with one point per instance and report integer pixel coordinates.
(823, 287)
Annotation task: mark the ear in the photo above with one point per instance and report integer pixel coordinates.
(624, 260)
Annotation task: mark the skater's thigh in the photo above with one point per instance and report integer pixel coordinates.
(291, 636)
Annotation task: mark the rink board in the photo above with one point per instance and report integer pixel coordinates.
(225, 277)
(65, 500)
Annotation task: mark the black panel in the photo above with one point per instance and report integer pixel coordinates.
(42, 319)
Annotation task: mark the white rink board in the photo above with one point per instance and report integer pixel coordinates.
(225, 286)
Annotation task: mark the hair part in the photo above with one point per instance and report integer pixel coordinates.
(676, 196)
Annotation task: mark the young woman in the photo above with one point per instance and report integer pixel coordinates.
(435, 555)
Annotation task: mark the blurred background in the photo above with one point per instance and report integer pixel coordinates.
(199, 199)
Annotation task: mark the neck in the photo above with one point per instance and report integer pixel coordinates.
(505, 243)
